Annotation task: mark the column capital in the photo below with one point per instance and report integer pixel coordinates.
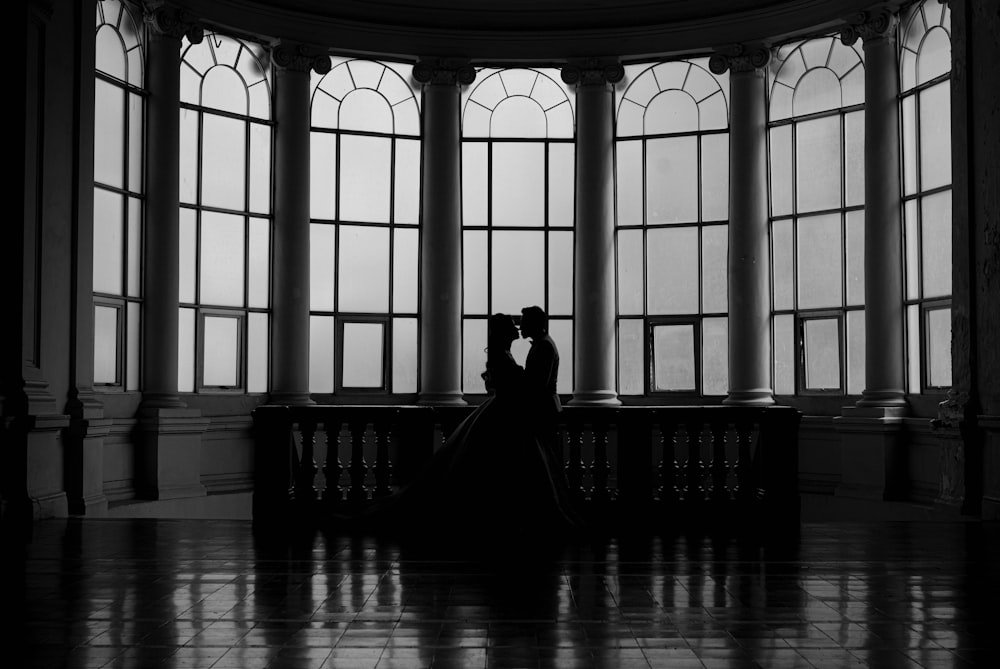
(444, 71)
(739, 58)
(172, 21)
(593, 71)
(873, 24)
(300, 57)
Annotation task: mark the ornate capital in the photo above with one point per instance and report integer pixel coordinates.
(739, 58)
(593, 72)
(873, 24)
(173, 22)
(444, 71)
(300, 57)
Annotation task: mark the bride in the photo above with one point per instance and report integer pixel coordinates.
(491, 478)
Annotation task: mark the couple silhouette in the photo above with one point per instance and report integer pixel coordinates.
(499, 475)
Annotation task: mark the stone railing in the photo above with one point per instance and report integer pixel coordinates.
(632, 467)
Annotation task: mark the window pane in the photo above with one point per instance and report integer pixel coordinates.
(186, 348)
(135, 144)
(855, 352)
(321, 354)
(323, 175)
(257, 353)
(108, 241)
(818, 89)
(672, 180)
(473, 355)
(322, 266)
(672, 270)
(364, 179)
(260, 257)
(630, 272)
(363, 355)
(133, 287)
(189, 156)
(133, 345)
(671, 111)
(855, 257)
(560, 273)
(714, 268)
(364, 269)
(908, 121)
(673, 357)
(188, 253)
(474, 183)
(628, 168)
(474, 272)
(105, 345)
(519, 184)
(223, 160)
(782, 264)
(630, 357)
(821, 341)
(818, 171)
(820, 262)
(911, 233)
(222, 352)
(936, 244)
(854, 158)
(715, 177)
(109, 135)
(404, 270)
(939, 348)
(715, 356)
(780, 152)
(260, 168)
(222, 271)
(406, 203)
(913, 348)
(935, 136)
(784, 354)
(518, 276)
(561, 189)
(404, 355)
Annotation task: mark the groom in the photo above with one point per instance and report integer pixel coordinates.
(541, 370)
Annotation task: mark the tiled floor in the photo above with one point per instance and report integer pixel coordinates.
(145, 593)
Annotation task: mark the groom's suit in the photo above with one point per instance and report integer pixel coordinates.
(541, 371)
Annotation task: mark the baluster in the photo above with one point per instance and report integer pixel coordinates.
(357, 466)
(600, 470)
(694, 470)
(333, 467)
(719, 467)
(305, 478)
(744, 462)
(667, 469)
(383, 468)
(574, 468)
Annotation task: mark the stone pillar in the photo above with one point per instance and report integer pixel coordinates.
(168, 460)
(290, 278)
(872, 430)
(749, 266)
(594, 247)
(441, 234)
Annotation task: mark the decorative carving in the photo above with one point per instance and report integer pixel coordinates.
(952, 411)
(444, 71)
(173, 22)
(300, 57)
(593, 72)
(739, 58)
(874, 24)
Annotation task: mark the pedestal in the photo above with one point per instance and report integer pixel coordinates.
(168, 462)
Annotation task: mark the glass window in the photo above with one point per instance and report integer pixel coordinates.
(118, 194)
(816, 161)
(518, 210)
(225, 217)
(672, 181)
(364, 239)
(925, 103)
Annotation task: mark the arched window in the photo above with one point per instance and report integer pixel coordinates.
(517, 210)
(925, 67)
(672, 161)
(118, 195)
(365, 211)
(816, 156)
(225, 216)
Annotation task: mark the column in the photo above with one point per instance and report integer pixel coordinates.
(441, 233)
(871, 431)
(749, 301)
(169, 451)
(594, 247)
(290, 279)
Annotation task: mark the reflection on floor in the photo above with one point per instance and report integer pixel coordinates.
(197, 593)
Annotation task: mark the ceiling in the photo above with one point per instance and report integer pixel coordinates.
(512, 30)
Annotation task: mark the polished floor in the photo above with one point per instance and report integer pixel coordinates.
(195, 593)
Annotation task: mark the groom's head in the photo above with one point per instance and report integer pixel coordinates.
(534, 322)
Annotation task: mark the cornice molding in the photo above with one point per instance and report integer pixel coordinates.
(172, 21)
(300, 57)
(593, 71)
(444, 71)
(739, 58)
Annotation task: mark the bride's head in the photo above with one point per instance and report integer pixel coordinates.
(501, 333)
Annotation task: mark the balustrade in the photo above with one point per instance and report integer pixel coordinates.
(657, 464)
